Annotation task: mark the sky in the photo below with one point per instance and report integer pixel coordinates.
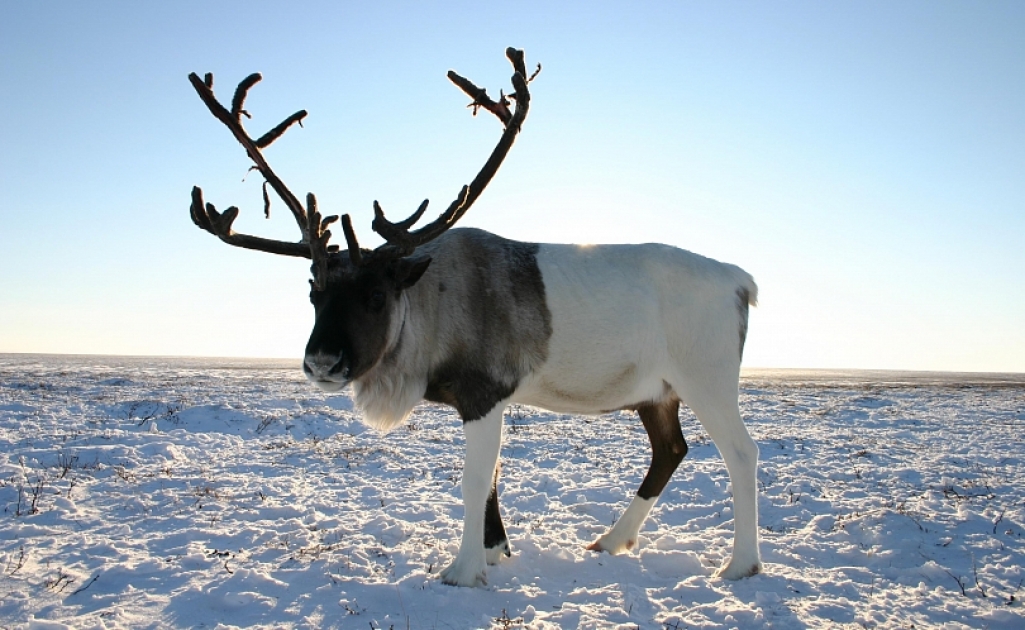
(865, 162)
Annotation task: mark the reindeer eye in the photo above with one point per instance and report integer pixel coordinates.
(376, 300)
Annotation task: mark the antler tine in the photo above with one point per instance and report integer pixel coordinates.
(355, 253)
(408, 222)
(516, 58)
(397, 234)
(219, 224)
(266, 139)
(240, 94)
(402, 242)
(319, 236)
(232, 120)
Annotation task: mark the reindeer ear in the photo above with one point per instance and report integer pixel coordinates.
(407, 271)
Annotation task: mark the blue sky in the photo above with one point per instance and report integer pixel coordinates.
(863, 161)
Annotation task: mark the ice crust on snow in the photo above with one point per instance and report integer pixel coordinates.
(181, 493)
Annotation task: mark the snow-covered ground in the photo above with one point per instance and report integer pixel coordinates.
(160, 493)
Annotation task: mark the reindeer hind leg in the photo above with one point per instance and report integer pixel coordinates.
(713, 399)
(661, 421)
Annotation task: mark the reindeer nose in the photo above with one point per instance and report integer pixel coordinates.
(323, 367)
(341, 367)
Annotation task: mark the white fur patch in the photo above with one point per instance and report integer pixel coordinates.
(386, 395)
(623, 535)
(385, 398)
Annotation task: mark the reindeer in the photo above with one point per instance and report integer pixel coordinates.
(472, 320)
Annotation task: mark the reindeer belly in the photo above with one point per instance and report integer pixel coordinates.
(589, 389)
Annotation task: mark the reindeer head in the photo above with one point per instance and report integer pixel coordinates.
(357, 294)
(359, 315)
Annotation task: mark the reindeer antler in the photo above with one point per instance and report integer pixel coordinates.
(399, 240)
(312, 226)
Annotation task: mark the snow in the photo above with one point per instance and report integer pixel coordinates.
(174, 493)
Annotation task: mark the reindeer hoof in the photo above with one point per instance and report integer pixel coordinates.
(602, 545)
(498, 552)
(465, 574)
(737, 570)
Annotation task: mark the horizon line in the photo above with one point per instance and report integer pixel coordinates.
(793, 371)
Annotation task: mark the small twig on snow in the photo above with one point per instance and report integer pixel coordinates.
(960, 582)
(21, 562)
(975, 573)
(87, 585)
(996, 523)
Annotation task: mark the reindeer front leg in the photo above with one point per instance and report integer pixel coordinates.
(483, 443)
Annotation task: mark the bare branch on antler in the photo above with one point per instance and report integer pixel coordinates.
(534, 75)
